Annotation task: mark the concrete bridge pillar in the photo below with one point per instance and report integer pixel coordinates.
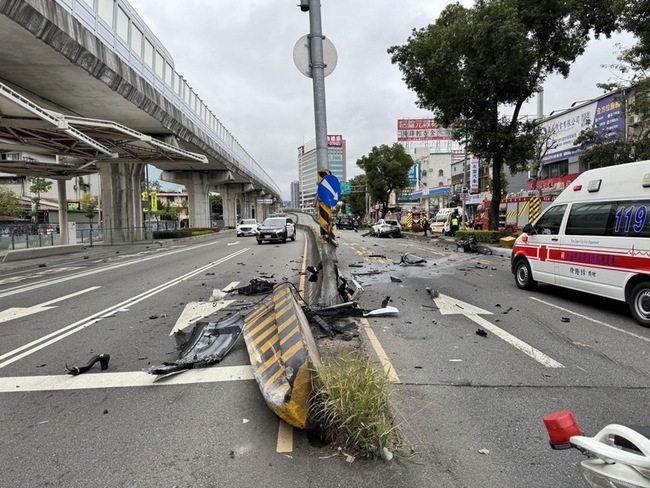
(66, 238)
(249, 210)
(229, 195)
(198, 186)
(121, 201)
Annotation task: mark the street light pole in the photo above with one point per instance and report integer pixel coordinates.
(328, 288)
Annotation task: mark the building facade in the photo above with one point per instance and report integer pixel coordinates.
(308, 167)
(295, 194)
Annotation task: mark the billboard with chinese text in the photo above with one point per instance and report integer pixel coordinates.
(604, 116)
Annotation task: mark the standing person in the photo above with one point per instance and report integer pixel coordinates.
(425, 225)
(453, 227)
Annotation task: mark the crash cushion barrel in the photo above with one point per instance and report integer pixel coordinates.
(283, 354)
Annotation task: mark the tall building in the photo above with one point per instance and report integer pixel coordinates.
(308, 167)
(295, 194)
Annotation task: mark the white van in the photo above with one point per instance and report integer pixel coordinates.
(595, 238)
(440, 223)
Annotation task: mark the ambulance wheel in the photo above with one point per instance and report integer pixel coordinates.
(524, 276)
(640, 303)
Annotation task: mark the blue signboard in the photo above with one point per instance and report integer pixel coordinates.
(329, 190)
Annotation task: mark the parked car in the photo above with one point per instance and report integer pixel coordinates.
(247, 227)
(276, 229)
(346, 223)
(387, 228)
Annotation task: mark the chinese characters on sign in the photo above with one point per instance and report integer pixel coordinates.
(334, 141)
(473, 175)
(421, 130)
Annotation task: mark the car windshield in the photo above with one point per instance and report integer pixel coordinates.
(391, 222)
(248, 221)
(274, 222)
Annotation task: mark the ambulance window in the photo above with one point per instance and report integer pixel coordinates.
(591, 219)
(549, 223)
(631, 218)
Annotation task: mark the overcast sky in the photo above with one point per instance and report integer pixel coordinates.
(238, 57)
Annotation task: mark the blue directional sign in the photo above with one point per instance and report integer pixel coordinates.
(329, 190)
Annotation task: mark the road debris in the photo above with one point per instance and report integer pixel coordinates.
(434, 293)
(207, 344)
(255, 286)
(382, 312)
(409, 259)
(481, 332)
(566, 319)
(395, 280)
(101, 358)
(217, 295)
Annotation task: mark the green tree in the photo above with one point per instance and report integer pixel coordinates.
(37, 186)
(10, 205)
(169, 211)
(357, 197)
(88, 204)
(386, 169)
(476, 63)
(216, 206)
(634, 17)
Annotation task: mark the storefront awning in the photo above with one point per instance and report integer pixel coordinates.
(431, 192)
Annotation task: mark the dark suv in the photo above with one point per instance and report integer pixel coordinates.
(346, 223)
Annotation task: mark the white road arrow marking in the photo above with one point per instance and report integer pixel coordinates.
(19, 312)
(195, 311)
(450, 306)
(327, 185)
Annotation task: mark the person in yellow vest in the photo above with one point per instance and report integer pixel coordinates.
(425, 225)
(453, 224)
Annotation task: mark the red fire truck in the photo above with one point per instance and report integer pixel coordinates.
(515, 211)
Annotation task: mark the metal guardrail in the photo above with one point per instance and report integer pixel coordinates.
(26, 236)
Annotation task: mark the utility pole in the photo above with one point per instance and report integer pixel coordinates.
(328, 288)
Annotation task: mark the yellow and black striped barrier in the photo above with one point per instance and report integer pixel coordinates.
(283, 355)
(325, 214)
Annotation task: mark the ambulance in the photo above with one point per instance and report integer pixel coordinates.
(594, 238)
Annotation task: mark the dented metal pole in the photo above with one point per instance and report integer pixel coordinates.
(328, 288)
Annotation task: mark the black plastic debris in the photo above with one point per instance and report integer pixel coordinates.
(207, 344)
(326, 321)
(433, 293)
(468, 245)
(566, 319)
(395, 280)
(101, 358)
(385, 301)
(412, 260)
(313, 272)
(255, 286)
(481, 332)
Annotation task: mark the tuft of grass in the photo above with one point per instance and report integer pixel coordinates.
(354, 401)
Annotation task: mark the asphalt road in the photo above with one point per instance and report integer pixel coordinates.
(471, 406)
